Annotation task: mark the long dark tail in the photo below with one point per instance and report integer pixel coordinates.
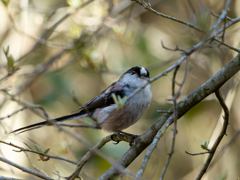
(43, 123)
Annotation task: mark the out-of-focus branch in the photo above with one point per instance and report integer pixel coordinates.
(24, 169)
(220, 153)
(8, 178)
(196, 154)
(190, 25)
(36, 152)
(215, 15)
(194, 48)
(41, 69)
(175, 111)
(87, 144)
(92, 151)
(183, 106)
(35, 108)
(47, 33)
(35, 167)
(15, 112)
(187, 53)
(218, 140)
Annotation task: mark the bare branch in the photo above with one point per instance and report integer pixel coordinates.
(218, 140)
(175, 111)
(92, 151)
(8, 178)
(15, 112)
(35, 167)
(189, 24)
(196, 154)
(176, 48)
(24, 169)
(215, 15)
(32, 107)
(36, 152)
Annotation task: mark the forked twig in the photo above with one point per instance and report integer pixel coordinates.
(218, 140)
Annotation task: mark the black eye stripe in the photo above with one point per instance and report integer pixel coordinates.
(138, 70)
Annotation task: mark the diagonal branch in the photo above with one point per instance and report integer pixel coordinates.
(209, 87)
(24, 169)
(92, 151)
(218, 140)
(36, 152)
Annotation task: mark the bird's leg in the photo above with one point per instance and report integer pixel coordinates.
(133, 136)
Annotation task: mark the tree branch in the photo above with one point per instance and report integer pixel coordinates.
(218, 140)
(24, 169)
(183, 106)
(36, 152)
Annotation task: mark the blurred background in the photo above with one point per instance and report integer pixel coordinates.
(60, 48)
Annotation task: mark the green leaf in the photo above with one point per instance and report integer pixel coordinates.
(6, 51)
(207, 143)
(10, 61)
(87, 120)
(5, 2)
(114, 98)
(10, 64)
(46, 151)
(38, 148)
(119, 101)
(123, 100)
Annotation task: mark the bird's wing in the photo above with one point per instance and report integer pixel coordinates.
(105, 98)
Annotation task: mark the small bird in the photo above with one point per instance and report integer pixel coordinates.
(104, 109)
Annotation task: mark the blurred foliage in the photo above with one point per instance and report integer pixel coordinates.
(99, 42)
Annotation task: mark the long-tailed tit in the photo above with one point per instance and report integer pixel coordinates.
(104, 109)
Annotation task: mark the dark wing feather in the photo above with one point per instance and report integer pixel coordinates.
(105, 98)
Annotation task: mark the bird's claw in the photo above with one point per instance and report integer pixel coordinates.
(133, 137)
(113, 139)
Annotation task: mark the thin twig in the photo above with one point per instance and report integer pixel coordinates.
(75, 98)
(223, 34)
(36, 152)
(215, 15)
(190, 25)
(88, 144)
(35, 167)
(15, 112)
(24, 169)
(196, 154)
(224, 148)
(218, 140)
(175, 49)
(174, 98)
(92, 151)
(32, 107)
(8, 178)
(175, 95)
